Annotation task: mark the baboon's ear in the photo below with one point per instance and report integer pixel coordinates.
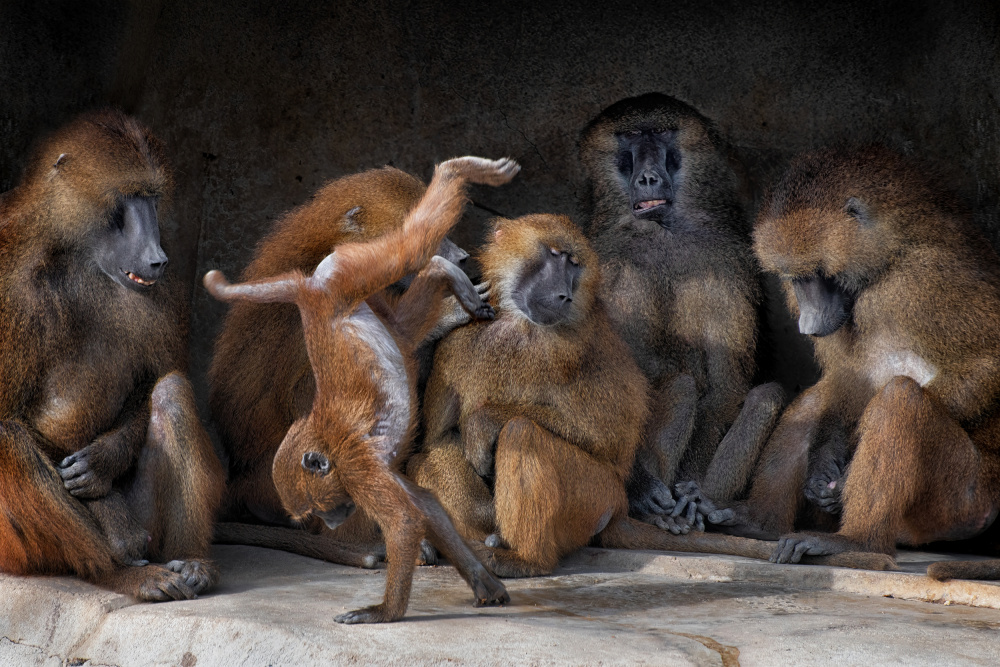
(857, 210)
(351, 221)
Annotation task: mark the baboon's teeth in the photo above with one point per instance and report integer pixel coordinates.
(652, 203)
(137, 279)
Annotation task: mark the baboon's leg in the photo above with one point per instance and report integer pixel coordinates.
(178, 484)
(551, 498)
(45, 530)
(916, 477)
(443, 469)
(739, 450)
(776, 489)
(297, 541)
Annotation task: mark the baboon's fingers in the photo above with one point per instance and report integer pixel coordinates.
(675, 525)
(723, 517)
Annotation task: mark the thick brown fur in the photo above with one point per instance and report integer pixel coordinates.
(260, 379)
(91, 369)
(909, 385)
(684, 296)
(348, 450)
(550, 415)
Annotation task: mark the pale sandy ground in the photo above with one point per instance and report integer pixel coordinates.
(602, 608)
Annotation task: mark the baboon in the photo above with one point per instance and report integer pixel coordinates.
(532, 420)
(103, 460)
(260, 378)
(348, 450)
(902, 298)
(682, 289)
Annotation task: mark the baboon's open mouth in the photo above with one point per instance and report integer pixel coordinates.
(139, 281)
(648, 204)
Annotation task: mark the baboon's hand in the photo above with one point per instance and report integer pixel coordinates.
(199, 575)
(824, 486)
(692, 504)
(791, 548)
(647, 495)
(428, 554)
(374, 614)
(83, 473)
(460, 308)
(162, 584)
(488, 589)
(676, 525)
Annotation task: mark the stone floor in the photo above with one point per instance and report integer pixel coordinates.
(601, 607)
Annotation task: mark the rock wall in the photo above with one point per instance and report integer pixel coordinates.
(259, 103)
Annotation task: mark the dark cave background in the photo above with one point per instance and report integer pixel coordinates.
(259, 103)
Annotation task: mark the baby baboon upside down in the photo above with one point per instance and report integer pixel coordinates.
(347, 451)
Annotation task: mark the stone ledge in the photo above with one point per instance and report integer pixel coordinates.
(601, 607)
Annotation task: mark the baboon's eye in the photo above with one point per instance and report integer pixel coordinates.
(118, 218)
(857, 210)
(315, 463)
(625, 162)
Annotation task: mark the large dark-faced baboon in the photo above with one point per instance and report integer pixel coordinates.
(681, 287)
(260, 379)
(901, 294)
(533, 419)
(103, 460)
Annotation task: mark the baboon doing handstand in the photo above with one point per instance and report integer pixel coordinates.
(103, 460)
(901, 294)
(347, 452)
(681, 288)
(261, 380)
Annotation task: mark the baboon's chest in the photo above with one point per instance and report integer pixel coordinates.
(886, 360)
(388, 372)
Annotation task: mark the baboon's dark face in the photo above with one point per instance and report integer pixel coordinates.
(648, 162)
(545, 290)
(824, 306)
(128, 248)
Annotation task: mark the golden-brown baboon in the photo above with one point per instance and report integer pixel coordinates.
(532, 420)
(682, 289)
(103, 460)
(261, 380)
(902, 298)
(348, 450)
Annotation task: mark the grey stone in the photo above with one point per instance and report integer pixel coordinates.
(600, 607)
